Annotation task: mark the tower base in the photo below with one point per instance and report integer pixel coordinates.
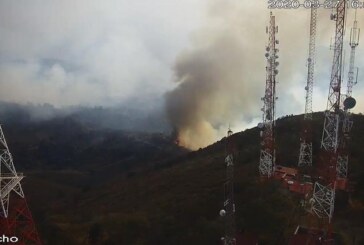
(19, 223)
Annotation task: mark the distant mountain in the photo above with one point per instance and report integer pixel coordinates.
(91, 185)
(147, 119)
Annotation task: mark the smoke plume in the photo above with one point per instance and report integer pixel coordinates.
(215, 86)
(221, 77)
(211, 89)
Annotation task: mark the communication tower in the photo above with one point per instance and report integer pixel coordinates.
(15, 217)
(305, 157)
(267, 152)
(228, 212)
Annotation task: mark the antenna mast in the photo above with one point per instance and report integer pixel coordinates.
(349, 102)
(267, 153)
(305, 157)
(324, 189)
(15, 217)
(354, 42)
(228, 212)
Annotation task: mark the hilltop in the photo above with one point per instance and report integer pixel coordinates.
(89, 185)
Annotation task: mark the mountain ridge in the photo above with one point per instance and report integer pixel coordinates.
(165, 194)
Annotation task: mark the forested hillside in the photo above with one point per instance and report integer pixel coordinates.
(87, 185)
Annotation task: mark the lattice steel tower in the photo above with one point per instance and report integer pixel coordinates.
(228, 212)
(267, 152)
(15, 217)
(349, 102)
(305, 157)
(324, 189)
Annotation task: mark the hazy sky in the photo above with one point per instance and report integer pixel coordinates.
(107, 52)
(221, 75)
(91, 51)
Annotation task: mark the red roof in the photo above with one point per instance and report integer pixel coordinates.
(286, 170)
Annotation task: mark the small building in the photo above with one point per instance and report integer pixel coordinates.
(289, 178)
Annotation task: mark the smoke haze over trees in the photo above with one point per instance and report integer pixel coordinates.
(206, 55)
(221, 77)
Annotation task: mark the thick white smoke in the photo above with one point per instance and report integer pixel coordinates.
(221, 77)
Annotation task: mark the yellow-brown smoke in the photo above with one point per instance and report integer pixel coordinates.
(221, 78)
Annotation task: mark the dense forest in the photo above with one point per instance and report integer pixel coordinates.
(87, 184)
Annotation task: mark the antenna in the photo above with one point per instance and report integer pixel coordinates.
(348, 103)
(305, 156)
(324, 188)
(228, 211)
(267, 153)
(15, 217)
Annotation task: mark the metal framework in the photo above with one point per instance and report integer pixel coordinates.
(228, 212)
(343, 158)
(305, 157)
(267, 153)
(9, 178)
(324, 192)
(329, 140)
(323, 201)
(15, 217)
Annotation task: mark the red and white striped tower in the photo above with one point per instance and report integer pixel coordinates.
(15, 217)
(267, 152)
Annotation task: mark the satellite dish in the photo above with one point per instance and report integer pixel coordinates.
(260, 125)
(222, 212)
(349, 103)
